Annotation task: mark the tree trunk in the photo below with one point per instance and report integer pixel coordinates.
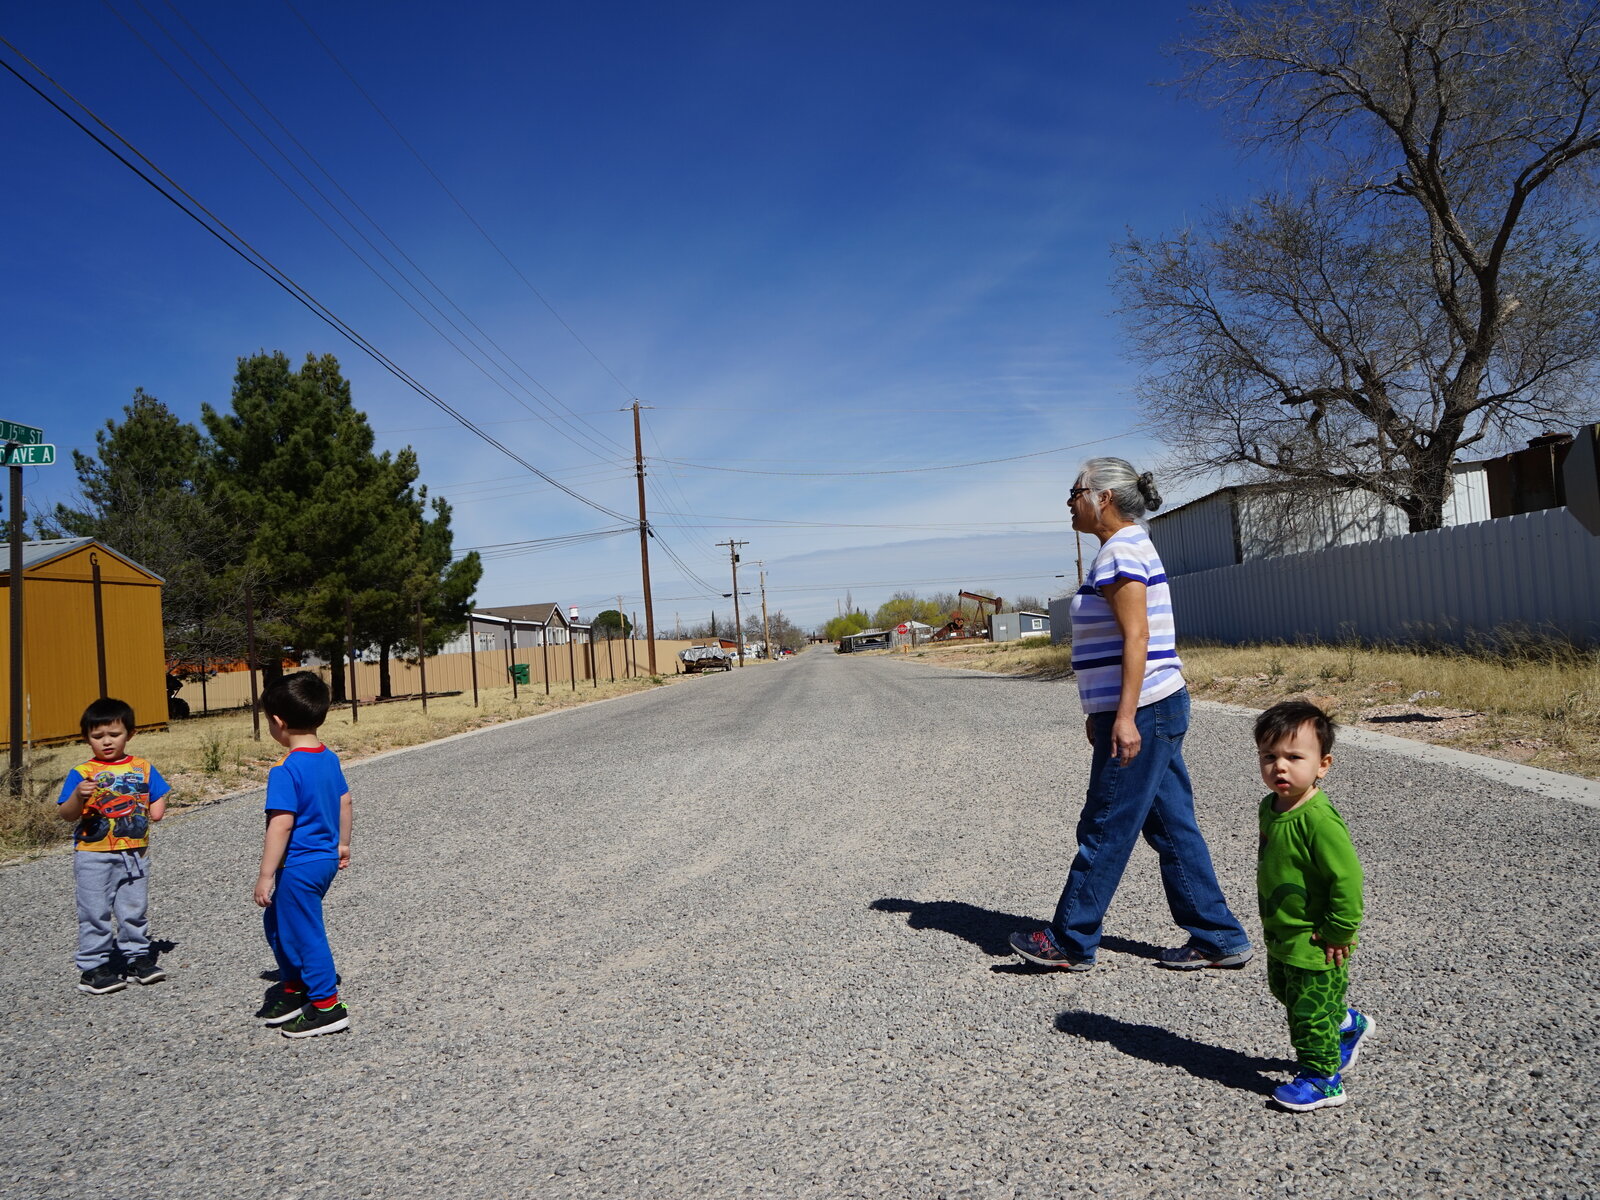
(385, 688)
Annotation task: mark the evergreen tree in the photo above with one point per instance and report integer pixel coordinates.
(142, 496)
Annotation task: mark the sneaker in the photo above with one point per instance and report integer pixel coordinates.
(100, 980)
(1350, 1039)
(1192, 958)
(145, 970)
(281, 1006)
(1039, 947)
(313, 1021)
(1305, 1092)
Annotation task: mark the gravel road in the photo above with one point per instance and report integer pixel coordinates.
(745, 936)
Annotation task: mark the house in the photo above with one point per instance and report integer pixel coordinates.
(519, 625)
(1246, 522)
(1025, 623)
(91, 627)
(867, 639)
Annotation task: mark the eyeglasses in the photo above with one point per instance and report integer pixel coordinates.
(1076, 492)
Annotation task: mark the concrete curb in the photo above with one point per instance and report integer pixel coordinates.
(1551, 784)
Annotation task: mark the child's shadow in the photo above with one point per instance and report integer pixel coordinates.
(988, 929)
(1231, 1068)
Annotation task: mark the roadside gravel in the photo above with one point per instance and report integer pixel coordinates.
(746, 937)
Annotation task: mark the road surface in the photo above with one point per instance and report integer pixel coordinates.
(745, 936)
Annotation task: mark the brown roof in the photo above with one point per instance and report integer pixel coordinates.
(538, 614)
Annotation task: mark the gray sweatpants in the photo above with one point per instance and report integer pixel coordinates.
(111, 883)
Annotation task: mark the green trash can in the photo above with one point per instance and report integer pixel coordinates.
(519, 673)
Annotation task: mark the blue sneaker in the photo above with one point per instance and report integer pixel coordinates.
(1350, 1039)
(1039, 947)
(1305, 1092)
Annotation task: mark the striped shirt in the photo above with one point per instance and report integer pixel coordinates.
(1096, 639)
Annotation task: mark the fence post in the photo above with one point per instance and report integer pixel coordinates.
(350, 650)
(472, 653)
(250, 645)
(422, 658)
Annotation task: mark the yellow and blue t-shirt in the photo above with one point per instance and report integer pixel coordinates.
(117, 817)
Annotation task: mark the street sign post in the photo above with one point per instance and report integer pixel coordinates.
(10, 431)
(24, 446)
(29, 454)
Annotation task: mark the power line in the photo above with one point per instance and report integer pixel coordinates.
(415, 153)
(333, 207)
(984, 462)
(234, 241)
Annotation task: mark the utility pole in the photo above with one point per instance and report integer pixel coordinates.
(644, 543)
(733, 559)
(766, 629)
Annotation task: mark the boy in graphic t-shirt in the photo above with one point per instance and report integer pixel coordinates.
(113, 797)
(1308, 880)
(307, 843)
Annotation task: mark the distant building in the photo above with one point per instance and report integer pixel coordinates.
(1010, 626)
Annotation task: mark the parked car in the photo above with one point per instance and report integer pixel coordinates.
(705, 658)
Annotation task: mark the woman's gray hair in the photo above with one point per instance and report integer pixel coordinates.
(1132, 493)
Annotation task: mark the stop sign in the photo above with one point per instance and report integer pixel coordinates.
(902, 629)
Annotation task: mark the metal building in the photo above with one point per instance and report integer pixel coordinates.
(91, 627)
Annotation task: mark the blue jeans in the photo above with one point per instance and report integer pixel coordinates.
(1152, 796)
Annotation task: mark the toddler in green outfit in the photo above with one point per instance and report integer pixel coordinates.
(1309, 884)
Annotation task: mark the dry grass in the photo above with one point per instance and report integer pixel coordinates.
(208, 757)
(1537, 703)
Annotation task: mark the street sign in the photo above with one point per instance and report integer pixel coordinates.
(10, 431)
(39, 454)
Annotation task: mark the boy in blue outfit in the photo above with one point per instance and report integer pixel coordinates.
(113, 797)
(306, 844)
(1309, 883)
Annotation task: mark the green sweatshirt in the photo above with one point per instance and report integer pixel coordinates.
(1308, 880)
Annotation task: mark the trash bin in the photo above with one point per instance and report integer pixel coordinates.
(519, 673)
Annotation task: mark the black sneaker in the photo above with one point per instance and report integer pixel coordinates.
(100, 980)
(313, 1021)
(281, 1006)
(145, 970)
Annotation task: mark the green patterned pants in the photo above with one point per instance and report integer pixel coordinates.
(1315, 1004)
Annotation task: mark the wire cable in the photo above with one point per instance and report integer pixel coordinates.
(234, 241)
(415, 153)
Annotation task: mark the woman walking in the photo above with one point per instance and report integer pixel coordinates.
(1136, 706)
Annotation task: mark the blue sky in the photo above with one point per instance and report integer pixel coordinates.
(816, 240)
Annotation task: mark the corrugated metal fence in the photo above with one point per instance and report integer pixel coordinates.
(1540, 570)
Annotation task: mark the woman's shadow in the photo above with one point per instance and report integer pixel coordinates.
(988, 930)
(1230, 1068)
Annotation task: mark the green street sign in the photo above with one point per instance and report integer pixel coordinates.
(40, 454)
(10, 431)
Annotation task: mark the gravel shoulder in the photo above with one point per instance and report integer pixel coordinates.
(748, 939)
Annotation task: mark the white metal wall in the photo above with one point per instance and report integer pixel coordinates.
(1200, 535)
(1539, 569)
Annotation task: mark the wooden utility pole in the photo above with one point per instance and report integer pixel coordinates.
(472, 651)
(644, 543)
(738, 626)
(766, 629)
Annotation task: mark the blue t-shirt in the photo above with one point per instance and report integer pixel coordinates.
(309, 784)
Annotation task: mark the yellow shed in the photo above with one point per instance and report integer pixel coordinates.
(65, 642)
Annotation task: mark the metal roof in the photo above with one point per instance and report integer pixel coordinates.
(35, 554)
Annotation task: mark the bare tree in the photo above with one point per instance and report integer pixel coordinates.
(1428, 284)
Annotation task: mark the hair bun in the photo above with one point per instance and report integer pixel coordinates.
(1147, 489)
